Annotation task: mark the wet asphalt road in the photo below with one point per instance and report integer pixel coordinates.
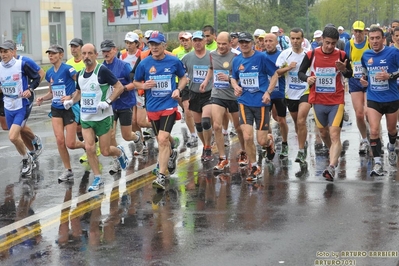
(291, 216)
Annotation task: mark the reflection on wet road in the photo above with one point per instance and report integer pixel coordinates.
(291, 216)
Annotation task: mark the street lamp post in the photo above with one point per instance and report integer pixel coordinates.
(215, 17)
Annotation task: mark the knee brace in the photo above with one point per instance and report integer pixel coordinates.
(198, 126)
(206, 123)
(376, 147)
(392, 138)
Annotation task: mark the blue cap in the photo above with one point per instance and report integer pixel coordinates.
(198, 35)
(157, 37)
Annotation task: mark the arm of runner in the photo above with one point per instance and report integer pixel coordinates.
(236, 87)
(303, 69)
(208, 77)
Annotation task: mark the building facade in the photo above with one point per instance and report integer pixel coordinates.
(34, 25)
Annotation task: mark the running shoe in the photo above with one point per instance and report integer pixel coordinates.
(192, 142)
(223, 163)
(139, 144)
(208, 155)
(243, 159)
(176, 143)
(364, 148)
(38, 145)
(255, 173)
(96, 185)
(392, 157)
(300, 157)
(27, 166)
(123, 160)
(329, 173)
(284, 151)
(377, 170)
(148, 133)
(67, 175)
(115, 167)
(155, 171)
(172, 162)
(159, 182)
(185, 135)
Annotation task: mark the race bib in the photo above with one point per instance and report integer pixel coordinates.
(88, 103)
(199, 73)
(220, 84)
(294, 83)
(58, 93)
(10, 89)
(325, 79)
(357, 69)
(250, 81)
(163, 86)
(377, 85)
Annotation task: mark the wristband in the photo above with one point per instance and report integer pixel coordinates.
(108, 101)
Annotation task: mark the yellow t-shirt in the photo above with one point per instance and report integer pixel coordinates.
(78, 66)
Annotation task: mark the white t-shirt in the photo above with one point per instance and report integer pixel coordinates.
(294, 87)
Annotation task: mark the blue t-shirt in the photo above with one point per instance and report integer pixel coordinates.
(252, 73)
(345, 36)
(122, 71)
(164, 72)
(279, 90)
(314, 45)
(387, 59)
(61, 82)
(30, 62)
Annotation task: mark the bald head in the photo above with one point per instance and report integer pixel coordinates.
(90, 46)
(223, 42)
(271, 42)
(224, 35)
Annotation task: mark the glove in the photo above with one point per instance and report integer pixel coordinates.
(68, 104)
(102, 105)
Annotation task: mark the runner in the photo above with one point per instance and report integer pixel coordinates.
(192, 140)
(279, 107)
(251, 85)
(61, 78)
(96, 95)
(123, 106)
(210, 36)
(197, 63)
(328, 67)
(355, 49)
(32, 141)
(296, 90)
(380, 67)
(156, 75)
(14, 75)
(77, 63)
(223, 98)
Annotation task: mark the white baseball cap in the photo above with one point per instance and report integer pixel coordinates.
(340, 28)
(274, 29)
(131, 36)
(186, 36)
(259, 32)
(147, 34)
(317, 34)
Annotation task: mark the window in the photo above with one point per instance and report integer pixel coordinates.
(56, 28)
(20, 31)
(88, 27)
